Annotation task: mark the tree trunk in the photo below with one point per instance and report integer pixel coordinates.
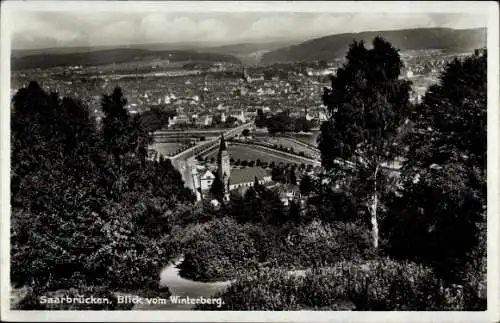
(373, 211)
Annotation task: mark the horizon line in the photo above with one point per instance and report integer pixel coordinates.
(215, 44)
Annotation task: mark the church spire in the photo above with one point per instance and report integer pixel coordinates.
(224, 167)
(244, 75)
(222, 143)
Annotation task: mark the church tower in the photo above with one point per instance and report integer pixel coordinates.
(244, 74)
(224, 167)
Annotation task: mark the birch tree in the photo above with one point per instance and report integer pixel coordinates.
(368, 103)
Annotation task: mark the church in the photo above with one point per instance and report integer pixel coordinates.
(233, 179)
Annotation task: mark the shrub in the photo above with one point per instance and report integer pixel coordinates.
(381, 284)
(320, 244)
(219, 252)
(269, 290)
(475, 276)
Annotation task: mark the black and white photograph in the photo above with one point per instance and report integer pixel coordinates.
(303, 160)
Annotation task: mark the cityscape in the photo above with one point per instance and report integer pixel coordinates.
(326, 173)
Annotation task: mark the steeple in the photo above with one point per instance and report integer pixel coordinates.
(244, 75)
(224, 167)
(222, 143)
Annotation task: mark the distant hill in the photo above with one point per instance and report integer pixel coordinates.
(247, 48)
(117, 55)
(335, 46)
(251, 52)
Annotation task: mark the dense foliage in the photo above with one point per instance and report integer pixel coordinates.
(218, 252)
(156, 118)
(439, 215)
(87, 208)
(282, 122)
(223, 249)
(257, 205)
(381, 284)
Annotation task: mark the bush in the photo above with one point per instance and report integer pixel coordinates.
(321, 244)
(219, 252)
(381, 284)
(269, 290)
(475, 276)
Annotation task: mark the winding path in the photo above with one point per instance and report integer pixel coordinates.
(183, 287)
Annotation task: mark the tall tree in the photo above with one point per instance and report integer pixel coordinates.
(258, 205)
(75, 213)
(116, 123)
(368, 103)
(217, 189)
(437, 216)
(121, 133)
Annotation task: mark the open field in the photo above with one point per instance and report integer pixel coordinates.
(253, 153)
(167, 148)
(289, 143)
(310, 139)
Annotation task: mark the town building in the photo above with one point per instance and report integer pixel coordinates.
(233, 179)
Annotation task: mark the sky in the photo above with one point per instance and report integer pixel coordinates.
(66, 29)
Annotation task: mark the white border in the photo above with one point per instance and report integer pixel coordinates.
(490, 8)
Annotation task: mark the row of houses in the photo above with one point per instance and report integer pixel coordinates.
(206, 119)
